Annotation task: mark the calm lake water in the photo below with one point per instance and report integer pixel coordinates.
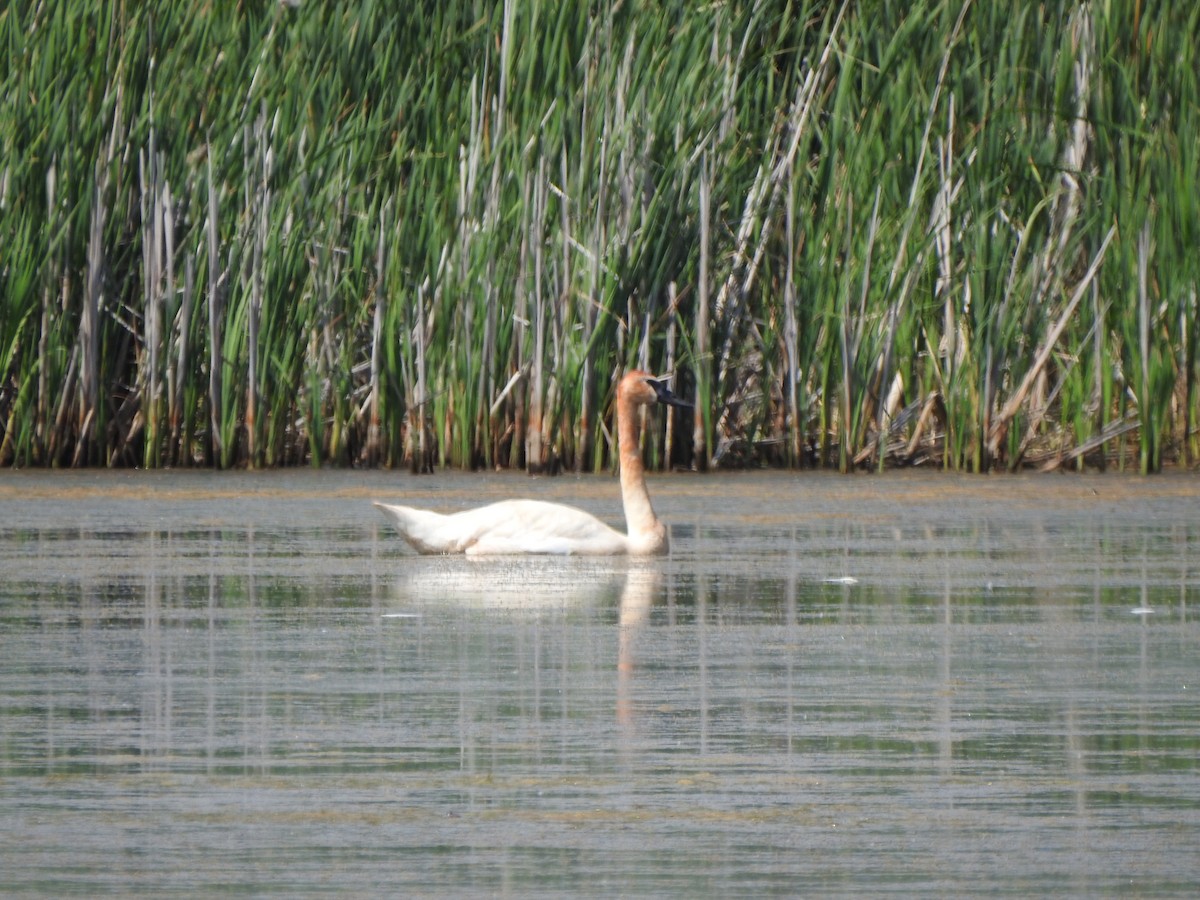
(914, 684)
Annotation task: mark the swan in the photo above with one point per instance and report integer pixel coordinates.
(535, 526)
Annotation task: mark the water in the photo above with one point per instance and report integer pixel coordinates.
(908, 685)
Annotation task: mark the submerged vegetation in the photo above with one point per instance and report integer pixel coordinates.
(860, 234)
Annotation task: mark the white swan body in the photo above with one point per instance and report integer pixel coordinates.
(508, 527)
(535, 526)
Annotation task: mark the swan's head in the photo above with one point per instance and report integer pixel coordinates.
(644, 389)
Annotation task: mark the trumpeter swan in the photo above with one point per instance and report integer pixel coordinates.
(534, 526)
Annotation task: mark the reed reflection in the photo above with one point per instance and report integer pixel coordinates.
(203, 655)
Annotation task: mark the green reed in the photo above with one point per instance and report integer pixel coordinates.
(410, 234)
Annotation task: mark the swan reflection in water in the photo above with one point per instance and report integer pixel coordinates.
(518, 589)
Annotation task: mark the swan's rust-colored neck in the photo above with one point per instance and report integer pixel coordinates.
(641, 522)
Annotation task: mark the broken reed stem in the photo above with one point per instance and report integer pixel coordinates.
(1010, 409)
(700, 354)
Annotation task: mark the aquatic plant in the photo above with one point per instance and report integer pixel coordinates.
(435, 234)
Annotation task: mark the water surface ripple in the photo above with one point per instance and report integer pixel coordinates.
(908, 685)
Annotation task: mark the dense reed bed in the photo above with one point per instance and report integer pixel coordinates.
(860, 234)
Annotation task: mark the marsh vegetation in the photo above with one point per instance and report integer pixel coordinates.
(421, 234)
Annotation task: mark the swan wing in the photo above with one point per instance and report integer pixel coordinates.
(507, 528)
(425, 531)
(533, 526)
